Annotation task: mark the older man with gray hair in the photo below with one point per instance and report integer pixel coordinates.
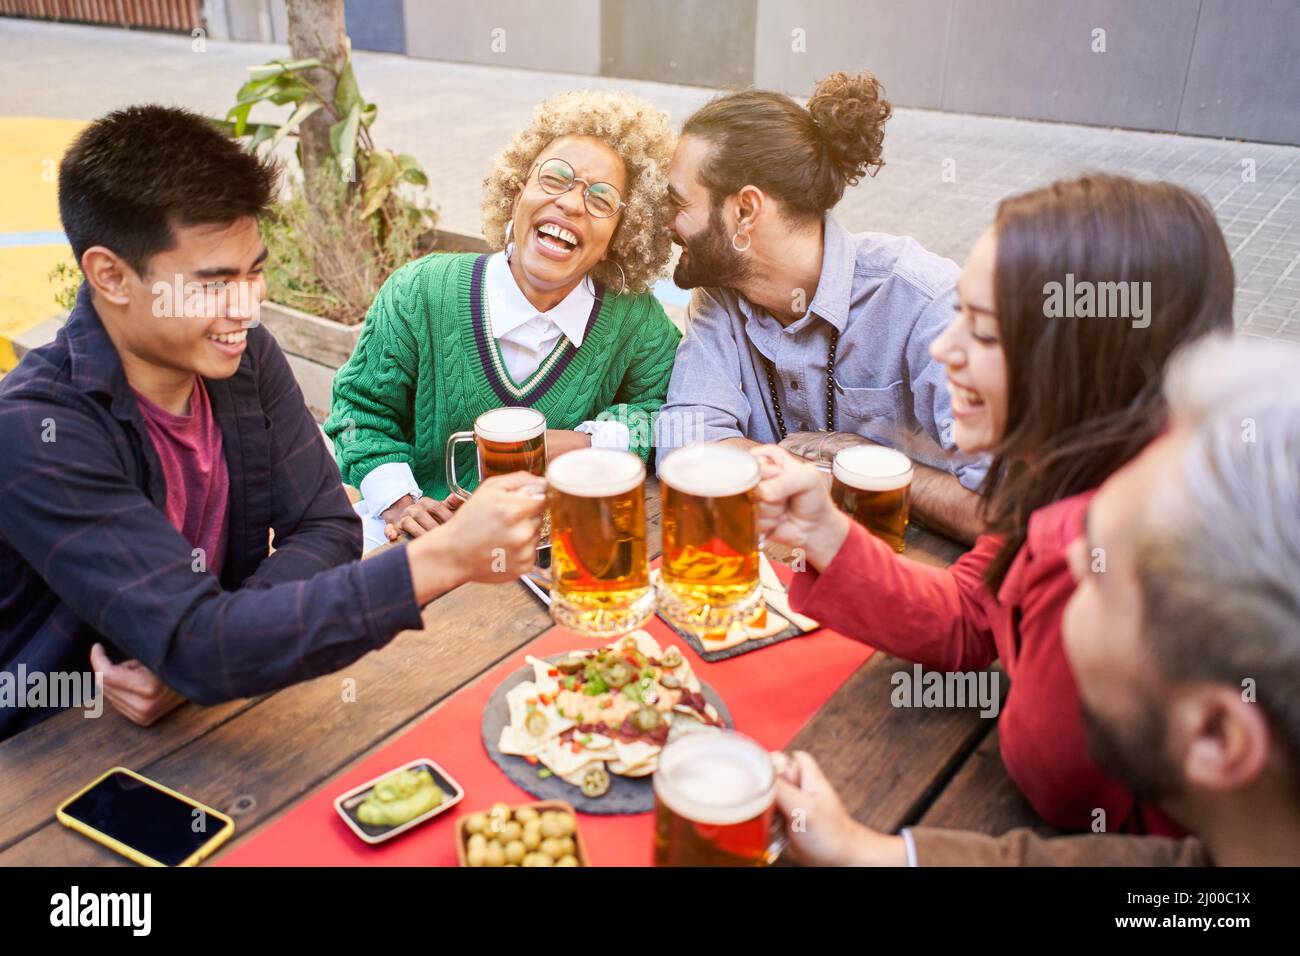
(1183, 634)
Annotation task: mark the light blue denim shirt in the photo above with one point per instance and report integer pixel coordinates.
(887, 297)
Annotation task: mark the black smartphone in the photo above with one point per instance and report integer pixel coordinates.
(145, 821)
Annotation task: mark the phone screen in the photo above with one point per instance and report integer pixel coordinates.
(145, 818)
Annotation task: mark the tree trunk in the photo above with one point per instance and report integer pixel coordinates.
(316, 29)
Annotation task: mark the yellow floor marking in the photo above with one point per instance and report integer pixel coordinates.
(29, 203)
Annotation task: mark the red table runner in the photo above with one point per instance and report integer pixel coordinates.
(771, 693)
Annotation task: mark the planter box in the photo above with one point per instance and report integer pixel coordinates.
(315, 348)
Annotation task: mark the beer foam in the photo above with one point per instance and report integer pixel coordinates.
(710, 470)
(595, 472)
(510, 424)
(872, 468)
(717, 778)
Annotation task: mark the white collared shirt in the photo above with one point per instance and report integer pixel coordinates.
(524, 337)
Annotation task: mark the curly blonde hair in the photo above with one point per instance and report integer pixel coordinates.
(641, 136)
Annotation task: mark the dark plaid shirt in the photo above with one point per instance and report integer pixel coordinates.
(87, 553)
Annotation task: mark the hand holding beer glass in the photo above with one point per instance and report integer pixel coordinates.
(796, 507)
(600, 573)
(710, 574)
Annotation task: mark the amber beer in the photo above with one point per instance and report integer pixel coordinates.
(600, 576)
(507, 440)
(714, 798)
(873, 486)
(709, 579)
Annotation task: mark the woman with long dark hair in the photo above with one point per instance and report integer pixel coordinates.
(1069, 307)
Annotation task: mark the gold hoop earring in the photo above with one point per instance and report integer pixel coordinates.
(622, 278)
(749, 241)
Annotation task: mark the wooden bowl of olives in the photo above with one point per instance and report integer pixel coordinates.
(544, 833)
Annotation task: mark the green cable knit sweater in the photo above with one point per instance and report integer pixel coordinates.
(427, 365)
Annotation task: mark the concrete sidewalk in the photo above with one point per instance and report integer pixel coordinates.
(945, 172)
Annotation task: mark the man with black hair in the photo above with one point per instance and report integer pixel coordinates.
(152, 448)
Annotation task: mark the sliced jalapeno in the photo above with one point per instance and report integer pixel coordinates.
(647, 718)
(536, 723)
(617, 674)
(595, 782)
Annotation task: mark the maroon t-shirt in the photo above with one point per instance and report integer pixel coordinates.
(194, 468)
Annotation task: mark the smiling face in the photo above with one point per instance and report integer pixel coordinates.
(696, 224)
(970, 349)
(557, 241)
(191, 311)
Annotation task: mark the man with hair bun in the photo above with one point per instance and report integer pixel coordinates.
(800, 332)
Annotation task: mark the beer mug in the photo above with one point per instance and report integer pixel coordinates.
(507, 440)
(709, 577)
(715, 799)
(872, 485)
(600, 574)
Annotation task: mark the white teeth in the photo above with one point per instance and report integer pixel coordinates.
(964, 396)
(229, 338)
(559, 232)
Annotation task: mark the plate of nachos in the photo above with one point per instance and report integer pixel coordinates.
(587, 726)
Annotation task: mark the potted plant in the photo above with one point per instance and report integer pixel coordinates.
(351, 214)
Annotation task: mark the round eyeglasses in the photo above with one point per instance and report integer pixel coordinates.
(557, 177)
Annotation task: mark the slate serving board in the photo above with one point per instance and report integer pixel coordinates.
(626, 794)
(721, 655)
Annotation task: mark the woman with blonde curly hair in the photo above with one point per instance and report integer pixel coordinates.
(560, 320)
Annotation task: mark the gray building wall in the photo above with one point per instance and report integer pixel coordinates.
(376, 25)
(1243, 80)
(1209, 67)
(558, 35)
(679, 41)
(1226, 68)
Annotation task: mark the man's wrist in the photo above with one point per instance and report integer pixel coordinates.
(435, 567)
(870, 848)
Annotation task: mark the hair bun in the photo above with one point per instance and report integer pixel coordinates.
(850, 110)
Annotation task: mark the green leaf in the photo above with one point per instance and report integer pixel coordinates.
(381, 174)
(411, 171)
(369, 113)
(347, 95)
(295, 120)
(239, 116)
(263, 132)
(289, 89)
(280, 66)
(343, 138)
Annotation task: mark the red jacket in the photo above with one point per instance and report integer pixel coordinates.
(947, 620)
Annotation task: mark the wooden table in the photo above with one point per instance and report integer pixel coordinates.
(255, 759)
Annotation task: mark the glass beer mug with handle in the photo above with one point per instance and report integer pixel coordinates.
(715, 800)
(600, 572)
(873, 486)
(506, 440)
(709, 580)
